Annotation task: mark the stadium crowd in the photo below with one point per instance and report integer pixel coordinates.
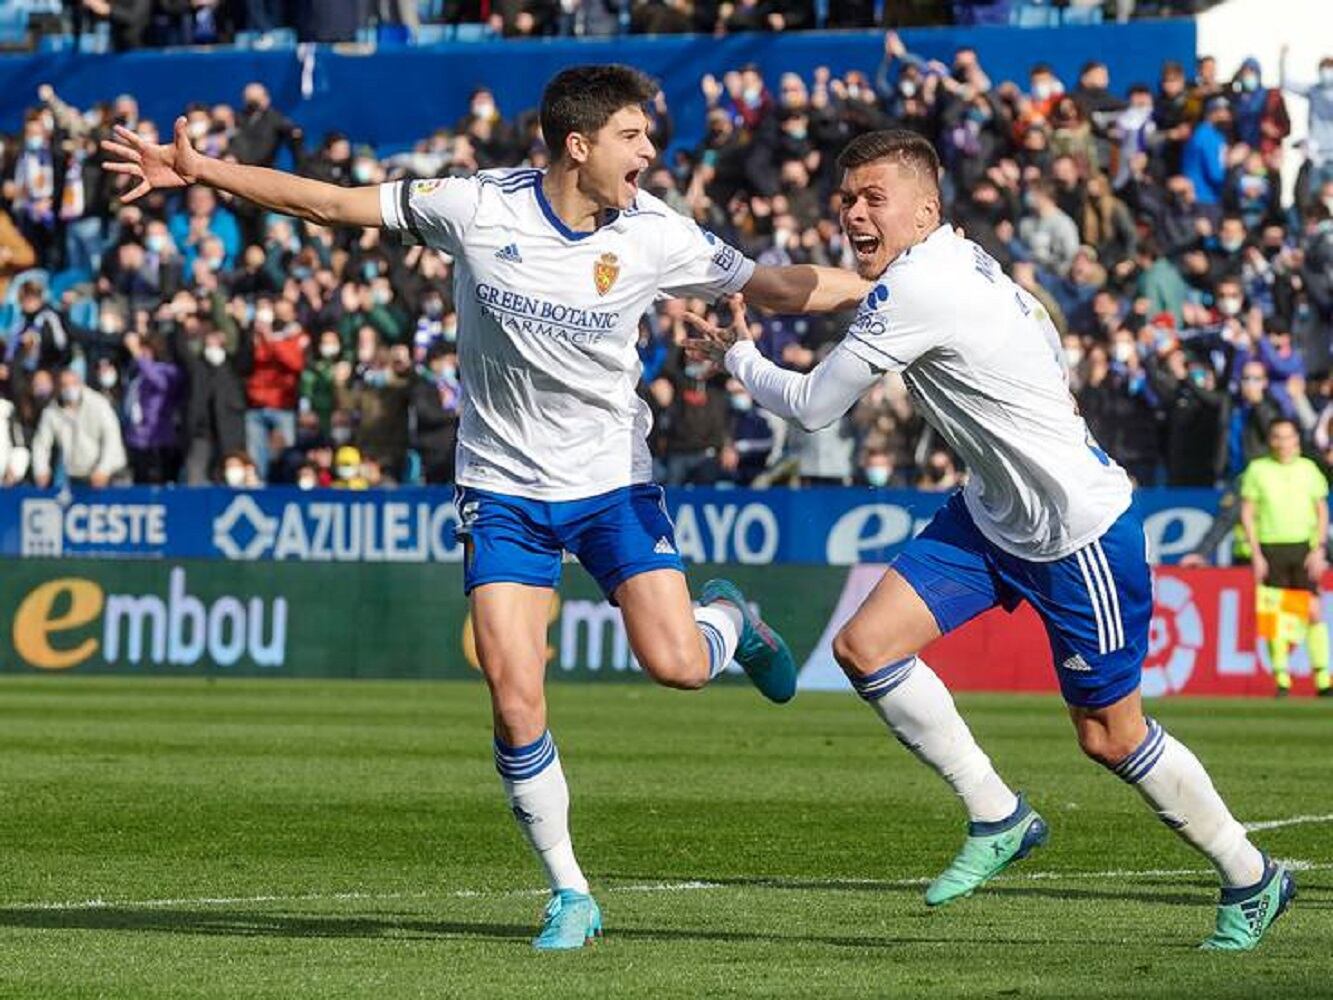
(139, 23)
(192, 338)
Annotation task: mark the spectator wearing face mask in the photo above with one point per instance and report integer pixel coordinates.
(435, 399)
(1049, 235)
(317, 388)
(40, 338)
(239, 473)
(1319, 141)
(82, 428)
(940, 473)
(876, 465)
(1260, 112)
(751, 438)
(261, 129)
(696, 421)
(272, 389)
(378, 393)
(154, 395)
(1196, 418)
(1253, 413)
(347, 474)
(215, 408)
(1120, 407)
(1205, 159)
(200, 218)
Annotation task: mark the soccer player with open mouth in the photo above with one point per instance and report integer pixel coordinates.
(1045, 518)
(552, 271)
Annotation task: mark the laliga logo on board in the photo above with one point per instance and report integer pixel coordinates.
(1174, 639)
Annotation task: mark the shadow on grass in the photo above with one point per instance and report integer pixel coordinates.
(130, 919)
(1204, 894)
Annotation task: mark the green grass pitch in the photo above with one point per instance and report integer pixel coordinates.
(306, 839)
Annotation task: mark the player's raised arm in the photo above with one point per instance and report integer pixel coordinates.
(177, 164)
(814, 399)
(805, 288)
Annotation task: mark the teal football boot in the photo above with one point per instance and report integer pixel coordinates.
(571, 920)
(990, 848)
(761, 652)
(1245, 914)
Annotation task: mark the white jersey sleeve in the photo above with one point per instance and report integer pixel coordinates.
(436, 212)
(897, 323)
(697, 263)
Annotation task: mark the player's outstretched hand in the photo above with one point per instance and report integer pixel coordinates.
(712, 342)
(154, 166)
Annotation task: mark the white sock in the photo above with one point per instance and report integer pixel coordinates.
(539, 799)
(1178, 788)
(720, 624)
(918, 708)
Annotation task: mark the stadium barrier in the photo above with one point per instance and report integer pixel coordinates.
(419, 90)
(176, 617)
(828, 526)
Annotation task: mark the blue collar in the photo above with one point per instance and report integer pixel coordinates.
(558, 224)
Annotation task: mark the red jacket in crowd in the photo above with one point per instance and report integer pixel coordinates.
(277, 372)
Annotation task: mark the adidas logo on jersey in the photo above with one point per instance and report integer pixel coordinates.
(664, 547)
(1077, 664)
(509, 253)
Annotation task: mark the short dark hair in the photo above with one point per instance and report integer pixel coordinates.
(901, 146)
(583, 99)
(1283, 420)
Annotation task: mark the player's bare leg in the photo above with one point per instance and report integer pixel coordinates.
(1140, 752)
(509, 621)
(877, 650)
(682, 646)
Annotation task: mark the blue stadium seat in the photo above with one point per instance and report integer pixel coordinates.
(65, 280)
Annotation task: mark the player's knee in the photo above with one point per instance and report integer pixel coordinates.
(853, 654)
(677, 665)
(1105, 747)
(520, 713)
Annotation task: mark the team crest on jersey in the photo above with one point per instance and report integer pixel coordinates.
(423, 188)
(605, 272)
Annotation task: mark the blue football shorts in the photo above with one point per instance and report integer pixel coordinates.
(1096, 603)
(615, 535)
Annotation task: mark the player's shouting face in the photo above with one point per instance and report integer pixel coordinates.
(890, 197)
(593, 121)
(611, 159)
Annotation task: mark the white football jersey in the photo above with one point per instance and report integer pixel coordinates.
(985, 367)
(548, 324)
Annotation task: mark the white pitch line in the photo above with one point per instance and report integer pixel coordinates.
(753, 882)
(1277, 824)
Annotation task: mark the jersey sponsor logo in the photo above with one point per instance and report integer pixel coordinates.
(529, 314)
(605, 272)
(509, 253)
(422, 188)
(878, 294)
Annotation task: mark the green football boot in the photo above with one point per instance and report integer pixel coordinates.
(1245, 914)
(990, 848)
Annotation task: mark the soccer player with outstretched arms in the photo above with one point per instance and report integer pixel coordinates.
(552, 271)
(1044, 518)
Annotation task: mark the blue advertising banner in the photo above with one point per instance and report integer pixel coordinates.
(747, 527)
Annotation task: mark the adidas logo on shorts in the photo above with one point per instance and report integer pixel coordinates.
(1077, 664)
(664, 547)
(509, 253)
